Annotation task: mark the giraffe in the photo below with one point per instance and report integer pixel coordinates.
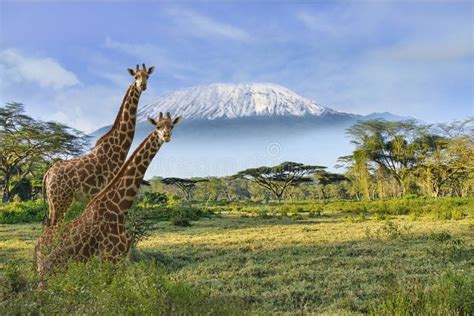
(100, 229)
(88, 174)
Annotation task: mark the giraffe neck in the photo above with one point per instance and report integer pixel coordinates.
(127, 181)
(125, 121)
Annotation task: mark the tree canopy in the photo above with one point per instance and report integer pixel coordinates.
(185, 185)
(28, 146)
(419, 158)
(279, 178)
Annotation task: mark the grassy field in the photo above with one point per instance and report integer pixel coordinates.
(332, 263)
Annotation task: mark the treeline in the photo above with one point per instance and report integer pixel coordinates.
(390, 160)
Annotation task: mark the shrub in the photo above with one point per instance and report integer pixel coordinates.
(264, 214)
(180, 220)
(153, 199)
(138, 225)
(448, 214)
(390, 230)
(23, 212)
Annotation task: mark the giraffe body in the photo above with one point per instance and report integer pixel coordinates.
(88, 174)
(100, 229)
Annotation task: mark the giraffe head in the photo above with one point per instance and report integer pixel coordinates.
(165, 125)
(141, 76)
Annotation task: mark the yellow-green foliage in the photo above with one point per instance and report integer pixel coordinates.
(22, 212)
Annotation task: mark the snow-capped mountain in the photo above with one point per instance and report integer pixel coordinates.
(230, 127)
(231, 101)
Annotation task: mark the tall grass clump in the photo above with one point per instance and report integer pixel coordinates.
(450, 294)
(101, 288)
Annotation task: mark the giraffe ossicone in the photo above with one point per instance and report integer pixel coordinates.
(100, 230)
(88, 174)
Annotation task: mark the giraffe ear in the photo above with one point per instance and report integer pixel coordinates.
(131, 72)
(150, 70)
(177, 120)
(152, 121)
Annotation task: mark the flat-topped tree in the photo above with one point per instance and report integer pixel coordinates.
(325, 178)
(279, 178)
(185, 185)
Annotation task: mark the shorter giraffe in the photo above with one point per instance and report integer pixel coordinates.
(100, 229)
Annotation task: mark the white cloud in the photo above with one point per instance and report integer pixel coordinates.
(202, 26)
(46, 72)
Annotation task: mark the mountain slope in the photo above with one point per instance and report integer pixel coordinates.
(234, 100)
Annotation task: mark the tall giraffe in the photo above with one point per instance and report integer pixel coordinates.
(100, 229)
(91, 172)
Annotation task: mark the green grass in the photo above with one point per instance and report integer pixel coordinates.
(97, 288)
(319, 263)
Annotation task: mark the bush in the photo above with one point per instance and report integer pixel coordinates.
(450, 294)
(138, 225)
(180, 219)
(101, 288)
(390, 230)
(23, 212)
(153, 199)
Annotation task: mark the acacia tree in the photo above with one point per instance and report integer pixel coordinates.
(450, 163)
(27, 146)
(279, 178)
(358, 173)
(394, 146)
(185, 185)
(325, 178)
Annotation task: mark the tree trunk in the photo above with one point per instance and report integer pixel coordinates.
(279, 197)
(6, 190)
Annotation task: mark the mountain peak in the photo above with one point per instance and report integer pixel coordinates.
(222, 100)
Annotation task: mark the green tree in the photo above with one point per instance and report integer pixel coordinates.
(448, 162)
(279, 178)
(28, 146)
(185, 185)
(394, 146)
(325, 179)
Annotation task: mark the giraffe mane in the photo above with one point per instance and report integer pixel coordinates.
(117, 119)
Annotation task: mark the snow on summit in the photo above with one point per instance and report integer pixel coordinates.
(232, 101)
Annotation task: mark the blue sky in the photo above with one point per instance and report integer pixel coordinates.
(67, 62)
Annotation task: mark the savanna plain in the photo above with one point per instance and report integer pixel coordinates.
(381, 257)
